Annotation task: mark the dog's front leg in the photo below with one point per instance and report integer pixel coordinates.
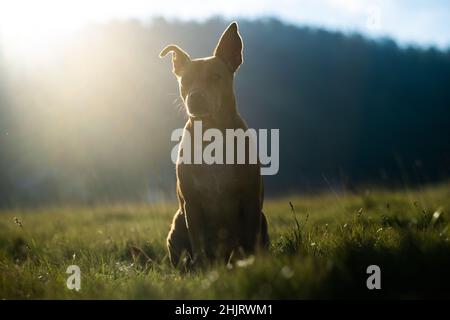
(195, 223)
(250, 228)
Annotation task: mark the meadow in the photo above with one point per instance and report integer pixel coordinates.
(321, 246)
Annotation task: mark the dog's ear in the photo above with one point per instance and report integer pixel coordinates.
(229, 48)
(179, 58)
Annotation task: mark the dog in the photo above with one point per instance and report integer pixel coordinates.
(220, 205)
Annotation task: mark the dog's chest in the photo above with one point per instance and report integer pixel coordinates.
(209, 180)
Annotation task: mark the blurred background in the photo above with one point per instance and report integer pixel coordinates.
(359, 91)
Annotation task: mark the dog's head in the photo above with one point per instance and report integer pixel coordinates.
(206, 85)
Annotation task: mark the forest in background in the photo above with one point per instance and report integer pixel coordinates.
(93, 123)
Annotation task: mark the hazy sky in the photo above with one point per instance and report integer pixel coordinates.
(409, 21)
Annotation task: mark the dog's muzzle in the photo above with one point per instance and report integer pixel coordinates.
(197, 104)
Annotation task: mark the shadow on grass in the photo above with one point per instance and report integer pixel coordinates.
(415, 269)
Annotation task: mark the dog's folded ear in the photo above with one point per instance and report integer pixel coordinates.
(179, 57)
(229, 48)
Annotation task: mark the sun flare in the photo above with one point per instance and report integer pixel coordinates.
(34, 28)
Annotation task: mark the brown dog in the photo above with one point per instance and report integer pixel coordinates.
(220, 205)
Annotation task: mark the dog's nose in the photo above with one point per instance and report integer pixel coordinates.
(196, 96)
(196, 103)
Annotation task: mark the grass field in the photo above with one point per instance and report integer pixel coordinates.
(320, 248)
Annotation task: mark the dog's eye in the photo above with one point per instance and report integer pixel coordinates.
(216, 77)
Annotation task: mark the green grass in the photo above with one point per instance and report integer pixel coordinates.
(320, 248)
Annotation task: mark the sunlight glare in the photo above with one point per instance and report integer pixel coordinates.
(35, 28)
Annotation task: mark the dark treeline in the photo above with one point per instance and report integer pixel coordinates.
(94, 123)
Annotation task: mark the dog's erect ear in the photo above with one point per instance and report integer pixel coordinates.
(179, 57)
(229, 48)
